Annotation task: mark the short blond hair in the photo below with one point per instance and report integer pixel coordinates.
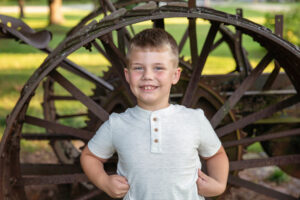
(154, 38)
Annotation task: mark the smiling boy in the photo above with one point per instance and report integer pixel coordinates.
(158, 144)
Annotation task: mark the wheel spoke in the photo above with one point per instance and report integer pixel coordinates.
(53, 179)
(88, 102)
(229, 37)
(183, 40)
(69, 177)
(264, 137)
(118, 62)
(99, 49)
(71, 116)
(110, 5)
(132, 30)
(236, 96)
(67, 98)
(192, 31)
(80, 71)
(121, 40)
(47, 136)
(263, 162)
(258, 188)
(246, 61)
(192, 3)
(268, 111)
(244, 65)
(76, 69)
(205, 92)
(292, 72)
(62, 98)
(89, 195)
(275, 72)
(49, 169)
(59, 128)
(217, 43)
(200, 64)
(272, 77)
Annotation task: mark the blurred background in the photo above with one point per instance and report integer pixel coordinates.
(19, 61)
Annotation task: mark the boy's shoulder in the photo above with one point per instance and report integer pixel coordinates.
(122, 115)
(181, 109)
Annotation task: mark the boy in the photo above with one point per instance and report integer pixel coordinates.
(157, 143)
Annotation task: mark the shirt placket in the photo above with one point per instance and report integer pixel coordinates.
(155, 133)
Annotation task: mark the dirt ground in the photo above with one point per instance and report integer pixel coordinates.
(260, 176)
(291, 186)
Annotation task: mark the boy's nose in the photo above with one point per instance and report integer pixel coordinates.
(147, 74)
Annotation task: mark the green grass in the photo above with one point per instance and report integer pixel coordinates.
(41, 2)
(18, 62)
(278, 176)
(255, 148)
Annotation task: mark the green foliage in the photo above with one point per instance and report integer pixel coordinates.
(42, 2)
(27, 2)
(291, 24)
(255, 148)
(278, 176)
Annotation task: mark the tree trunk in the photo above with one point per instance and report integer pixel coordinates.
(207, 3)
(21, 6)
(55, 12)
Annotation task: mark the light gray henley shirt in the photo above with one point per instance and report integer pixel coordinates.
(158, 150)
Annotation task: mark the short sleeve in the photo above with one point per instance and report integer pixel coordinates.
(101, 144)
(209, 141)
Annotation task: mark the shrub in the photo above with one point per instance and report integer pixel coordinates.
(291, 24)
(278, 176)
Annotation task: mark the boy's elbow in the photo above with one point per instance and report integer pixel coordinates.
(84, 154)
(219, 190)
(223, 188)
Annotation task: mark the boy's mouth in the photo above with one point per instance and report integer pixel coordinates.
(148, 87)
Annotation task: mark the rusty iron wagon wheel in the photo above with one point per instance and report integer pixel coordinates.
(225, 97)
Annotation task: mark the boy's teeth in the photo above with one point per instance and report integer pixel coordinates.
(148, 87)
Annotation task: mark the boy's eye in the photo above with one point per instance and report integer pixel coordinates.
(137, 68)
(158, 68)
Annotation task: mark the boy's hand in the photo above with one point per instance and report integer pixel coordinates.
(208, 186)
(116, 186)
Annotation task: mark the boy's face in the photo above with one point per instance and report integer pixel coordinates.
(150, 74)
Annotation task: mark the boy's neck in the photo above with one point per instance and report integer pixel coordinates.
(153, 107)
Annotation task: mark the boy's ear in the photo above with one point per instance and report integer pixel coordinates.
(176, 75)
(126, 73)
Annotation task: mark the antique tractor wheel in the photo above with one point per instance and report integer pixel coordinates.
(111, 93)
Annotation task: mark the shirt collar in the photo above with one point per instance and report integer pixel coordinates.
(142, 113)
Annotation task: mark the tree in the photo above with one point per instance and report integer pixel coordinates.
(55, 12)
(291, 31)
(21, 6)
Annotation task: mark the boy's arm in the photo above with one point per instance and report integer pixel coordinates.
(215, 182)
(115, 186)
